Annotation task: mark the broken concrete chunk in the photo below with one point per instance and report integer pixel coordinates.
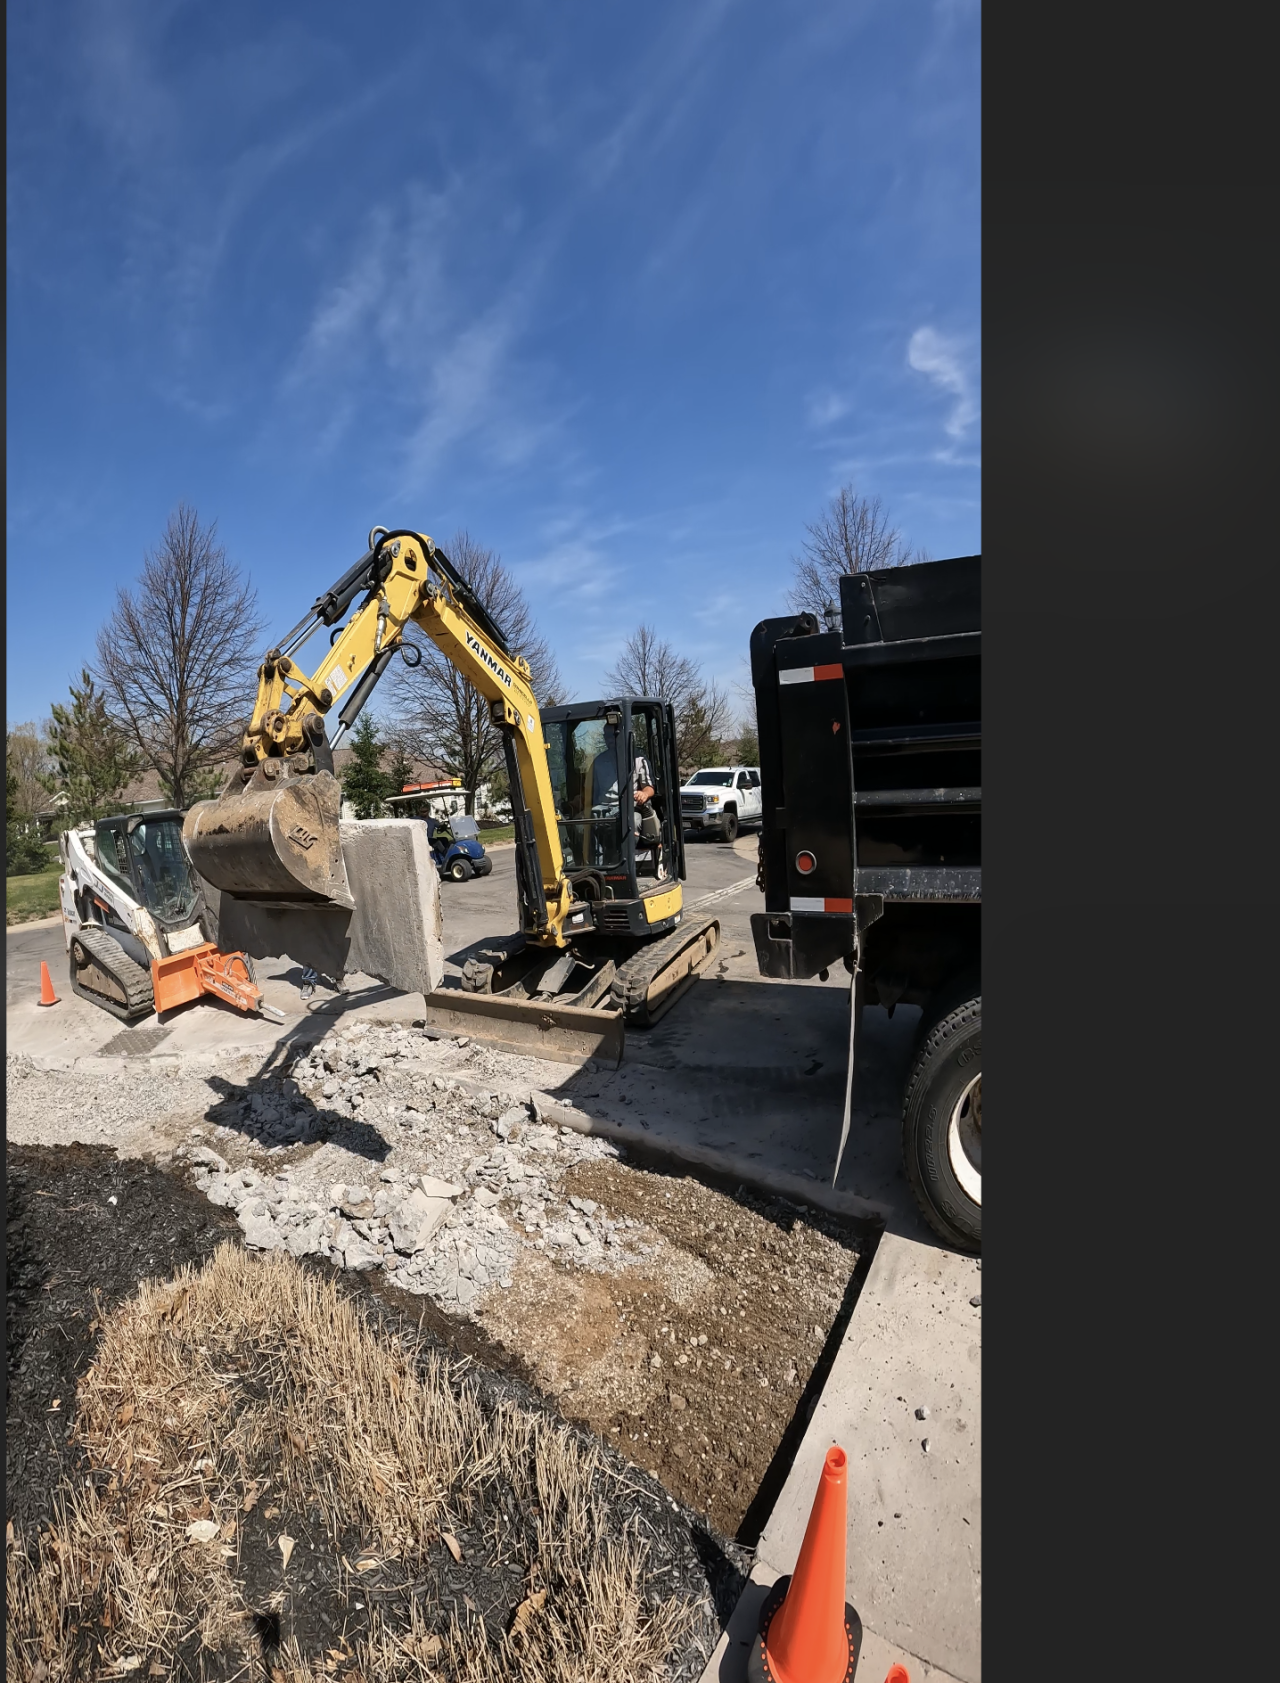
(412, 1225)
(432, 1187)
(361, 1255)
(543, 1104)
(220, 1191)
(507, 1126)
(260, 1232)
(306, 1240)
(484, 1197)
(210, 1159)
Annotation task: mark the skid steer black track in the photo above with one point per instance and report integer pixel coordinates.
(108, 957)
(636, 976)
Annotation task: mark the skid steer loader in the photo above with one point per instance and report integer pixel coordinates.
(135, 922)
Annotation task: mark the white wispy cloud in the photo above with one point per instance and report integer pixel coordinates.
(944, 361)
(409, 325)
(825, 408)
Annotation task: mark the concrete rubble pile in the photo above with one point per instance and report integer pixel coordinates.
(436, 1179)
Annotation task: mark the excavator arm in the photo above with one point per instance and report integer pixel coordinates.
(404, 579)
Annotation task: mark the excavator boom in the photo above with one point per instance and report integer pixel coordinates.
(272, 836)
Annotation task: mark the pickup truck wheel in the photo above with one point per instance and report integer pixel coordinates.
(942, 1127)
(460, 870)
(729, 827)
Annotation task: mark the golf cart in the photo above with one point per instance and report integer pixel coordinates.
(456, 847)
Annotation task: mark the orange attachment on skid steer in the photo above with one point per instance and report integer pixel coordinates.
(203, 970)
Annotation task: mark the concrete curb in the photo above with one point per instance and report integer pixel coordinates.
(796, 1189)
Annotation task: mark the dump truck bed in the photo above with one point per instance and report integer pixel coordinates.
(870, 760)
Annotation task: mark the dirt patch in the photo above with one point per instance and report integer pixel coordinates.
(270, 1468)
(83, 1227)
(701, 1365)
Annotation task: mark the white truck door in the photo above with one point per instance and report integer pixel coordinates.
(747, 798)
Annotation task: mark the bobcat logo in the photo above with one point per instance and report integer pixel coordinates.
(303, 837)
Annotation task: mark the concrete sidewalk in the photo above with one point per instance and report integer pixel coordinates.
(915, 1517)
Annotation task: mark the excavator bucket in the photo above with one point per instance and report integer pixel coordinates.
(274, 841)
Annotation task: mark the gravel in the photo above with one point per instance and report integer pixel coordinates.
(447, 1150)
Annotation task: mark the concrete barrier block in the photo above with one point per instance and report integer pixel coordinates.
(395, 933)
(397, 929)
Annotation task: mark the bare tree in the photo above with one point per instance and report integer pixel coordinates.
(649, 665)
(176, 659)
(853, 534)
(436, 714)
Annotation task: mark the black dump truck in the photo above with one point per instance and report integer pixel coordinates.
(870, 850)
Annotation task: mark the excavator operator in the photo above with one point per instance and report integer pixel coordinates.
(604, 784)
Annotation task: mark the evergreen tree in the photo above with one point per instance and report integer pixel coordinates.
(94, 762)
(401, 771)
(364, 783)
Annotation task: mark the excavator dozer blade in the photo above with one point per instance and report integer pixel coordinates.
(273, 842)
(559, 1033)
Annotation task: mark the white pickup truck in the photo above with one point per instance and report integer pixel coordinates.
(721, 799)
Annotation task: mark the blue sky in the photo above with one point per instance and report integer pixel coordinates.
(626, 291)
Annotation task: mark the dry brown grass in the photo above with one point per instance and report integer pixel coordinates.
(254, 1368)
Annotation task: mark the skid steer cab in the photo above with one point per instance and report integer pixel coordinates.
(135, 923)
(457, 849)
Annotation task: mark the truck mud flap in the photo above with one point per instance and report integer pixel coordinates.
(561, 1033)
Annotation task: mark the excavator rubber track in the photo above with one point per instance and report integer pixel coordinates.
(108, 977)
(648, 984)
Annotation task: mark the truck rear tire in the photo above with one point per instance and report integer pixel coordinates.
(942, 1126)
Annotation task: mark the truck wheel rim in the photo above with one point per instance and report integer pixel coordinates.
(964, 1140)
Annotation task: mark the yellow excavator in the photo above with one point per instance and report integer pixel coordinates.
(599, 860)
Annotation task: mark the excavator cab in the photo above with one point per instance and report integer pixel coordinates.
(623, 857)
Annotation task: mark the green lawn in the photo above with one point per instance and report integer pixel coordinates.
(504, 832)
(33, 896)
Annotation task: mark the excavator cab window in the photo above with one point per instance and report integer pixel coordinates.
(584, 758)
(650, 762)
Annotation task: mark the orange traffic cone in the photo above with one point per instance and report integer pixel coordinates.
(898, 1674)
(808, 1631)
(47, 995)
